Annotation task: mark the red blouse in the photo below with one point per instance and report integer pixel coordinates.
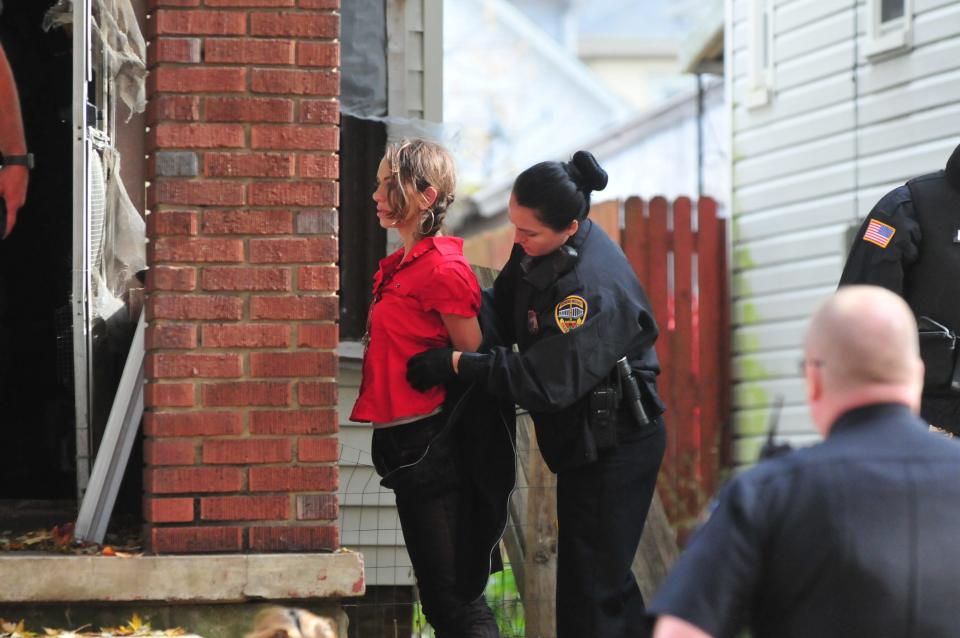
(408, 299)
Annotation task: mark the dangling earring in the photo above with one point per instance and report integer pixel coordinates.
(426, 228)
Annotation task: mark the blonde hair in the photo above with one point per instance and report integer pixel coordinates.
(415, 165)
(278, 622)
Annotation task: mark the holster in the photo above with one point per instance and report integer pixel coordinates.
(602, 414)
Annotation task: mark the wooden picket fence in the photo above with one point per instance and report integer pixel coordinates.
(678, 252)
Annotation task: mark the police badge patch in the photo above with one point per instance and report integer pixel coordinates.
(571, 313)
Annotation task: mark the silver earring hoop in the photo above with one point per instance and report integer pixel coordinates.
(426, 228)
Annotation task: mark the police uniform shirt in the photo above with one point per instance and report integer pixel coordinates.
(856, 536)
(572, 319)
(910, 244)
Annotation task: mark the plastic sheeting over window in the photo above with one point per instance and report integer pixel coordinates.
(117, 34)
(122, 242)
(116, 229)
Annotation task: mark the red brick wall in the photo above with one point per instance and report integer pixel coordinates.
(242, 137)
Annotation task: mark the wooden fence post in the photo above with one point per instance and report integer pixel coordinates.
(686, 397)
(683, 270)
(646, 243)
(540, 540)
(657, 551)
(714, 331)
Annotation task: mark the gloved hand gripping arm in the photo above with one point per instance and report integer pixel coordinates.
(439, 365)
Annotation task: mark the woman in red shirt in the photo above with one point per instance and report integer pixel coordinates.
(424, 296)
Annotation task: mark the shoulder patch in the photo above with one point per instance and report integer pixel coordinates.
(879, 233)
(570, 313)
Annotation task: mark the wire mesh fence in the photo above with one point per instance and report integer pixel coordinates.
(369, 523)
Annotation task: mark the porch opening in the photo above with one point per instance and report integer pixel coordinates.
(47, 452)
(36, 352)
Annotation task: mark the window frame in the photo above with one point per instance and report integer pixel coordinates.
(894, 37)
(762, 28)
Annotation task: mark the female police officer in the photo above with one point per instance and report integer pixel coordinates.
(570, 301)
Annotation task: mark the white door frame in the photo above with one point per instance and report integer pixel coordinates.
(82, 76)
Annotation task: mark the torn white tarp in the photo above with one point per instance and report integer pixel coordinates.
(124, 233)
(117, 235)
(123, 242)
(115, 29)
(115, 229)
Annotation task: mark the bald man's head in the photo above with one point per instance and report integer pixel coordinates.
(864, 336)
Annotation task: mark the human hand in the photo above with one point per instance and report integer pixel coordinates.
(430, 368)
(13, 190)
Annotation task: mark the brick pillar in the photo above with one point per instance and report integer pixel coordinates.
(241, 448)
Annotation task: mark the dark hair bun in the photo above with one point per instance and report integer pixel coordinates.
(593, 177)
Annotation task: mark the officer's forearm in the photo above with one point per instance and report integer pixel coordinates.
(12, 141)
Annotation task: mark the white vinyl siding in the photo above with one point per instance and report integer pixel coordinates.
(415, 59)
(844, 127)
(368, 513)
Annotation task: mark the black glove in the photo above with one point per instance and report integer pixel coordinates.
(430, 368)
(475, 366)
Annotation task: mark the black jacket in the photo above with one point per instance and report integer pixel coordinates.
(920, 262)
(572, 318)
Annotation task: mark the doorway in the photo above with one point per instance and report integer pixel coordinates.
(36, 373)
(62, 351)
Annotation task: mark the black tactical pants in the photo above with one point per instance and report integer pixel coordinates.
(601, 510)
(428, 508)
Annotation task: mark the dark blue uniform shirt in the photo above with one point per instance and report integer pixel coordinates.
(856, 536)
(572, 319)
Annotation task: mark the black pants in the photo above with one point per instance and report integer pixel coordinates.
(428, 507)
(601, 510)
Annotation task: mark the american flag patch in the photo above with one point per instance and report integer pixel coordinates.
(879, 233)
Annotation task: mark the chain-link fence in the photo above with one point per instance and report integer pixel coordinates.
(369, 524)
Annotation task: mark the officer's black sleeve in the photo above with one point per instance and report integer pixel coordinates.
(499, 298)
(560, 368)
(869, 261)
(715, 579)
